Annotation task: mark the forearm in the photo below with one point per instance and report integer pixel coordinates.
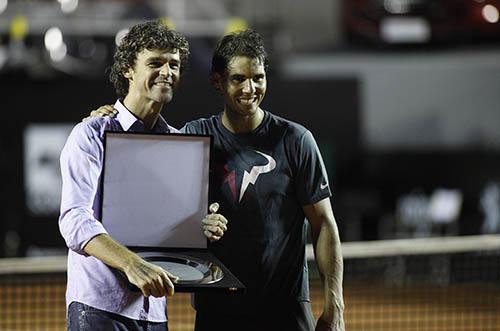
(149, 278)
(110, 252)
(330, 264)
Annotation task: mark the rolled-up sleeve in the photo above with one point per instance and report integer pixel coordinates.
(81, 167)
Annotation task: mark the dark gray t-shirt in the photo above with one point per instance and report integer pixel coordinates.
(261, 181)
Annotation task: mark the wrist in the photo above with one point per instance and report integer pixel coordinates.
(130, 261)
(333, 309)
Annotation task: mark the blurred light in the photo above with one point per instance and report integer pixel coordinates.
(236, 24)
(490, 13)
(68, 6)
(53, 39)
(18, 27)
(87, 48)
(168, 23)
(3, 5)
(396, 7)
(119, 36)
(59, 53)
(445, 205)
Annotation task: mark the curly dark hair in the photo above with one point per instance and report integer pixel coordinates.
(149, 35)
(244, 43)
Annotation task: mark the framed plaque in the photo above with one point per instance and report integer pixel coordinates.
(155, 190)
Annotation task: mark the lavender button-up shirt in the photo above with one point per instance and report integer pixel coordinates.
(89, 280)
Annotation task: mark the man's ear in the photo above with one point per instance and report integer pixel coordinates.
(128, 73)
(216, 81)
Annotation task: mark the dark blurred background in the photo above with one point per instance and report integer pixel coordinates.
(403, 97)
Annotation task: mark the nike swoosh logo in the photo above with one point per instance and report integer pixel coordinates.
(251, 177)
(323, 186)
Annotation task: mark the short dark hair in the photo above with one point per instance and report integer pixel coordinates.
(149, 35)
(244, 43)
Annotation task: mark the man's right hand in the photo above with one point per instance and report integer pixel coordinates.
(106, 110)
(150, 278)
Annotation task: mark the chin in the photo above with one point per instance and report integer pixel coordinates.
(248, 112)
(252, 109)
(164, 98)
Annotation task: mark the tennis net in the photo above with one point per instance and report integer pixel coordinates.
(428, 284)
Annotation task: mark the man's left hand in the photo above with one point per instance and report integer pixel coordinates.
(214, 225)
(336, 325)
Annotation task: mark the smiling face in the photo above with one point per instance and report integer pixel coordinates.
(243, 86)
(154, 76)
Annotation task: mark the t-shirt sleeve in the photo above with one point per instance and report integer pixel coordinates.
(311, 179)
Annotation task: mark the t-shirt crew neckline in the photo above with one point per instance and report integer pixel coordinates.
(245, 134)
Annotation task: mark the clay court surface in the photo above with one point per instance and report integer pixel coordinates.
(28, 303)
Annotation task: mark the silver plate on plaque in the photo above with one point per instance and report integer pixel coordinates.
(189, 271)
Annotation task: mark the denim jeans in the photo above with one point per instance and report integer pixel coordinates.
(82, 317)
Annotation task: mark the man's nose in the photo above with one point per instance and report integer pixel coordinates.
(248, 86)
(165, 70)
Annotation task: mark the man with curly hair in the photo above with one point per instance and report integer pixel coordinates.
(146, 70)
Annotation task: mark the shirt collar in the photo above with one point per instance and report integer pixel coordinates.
(131, 123)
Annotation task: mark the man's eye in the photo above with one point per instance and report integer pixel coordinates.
(154, 65)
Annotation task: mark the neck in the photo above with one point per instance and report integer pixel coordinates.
(148, 112)
(236, 123)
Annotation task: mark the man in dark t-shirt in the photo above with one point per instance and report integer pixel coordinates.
(268, 178)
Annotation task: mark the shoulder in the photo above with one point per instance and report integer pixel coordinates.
(89, 132)
(296, 138)
(293, 131)
(201, 125)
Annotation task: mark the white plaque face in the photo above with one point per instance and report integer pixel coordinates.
(155, 189)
